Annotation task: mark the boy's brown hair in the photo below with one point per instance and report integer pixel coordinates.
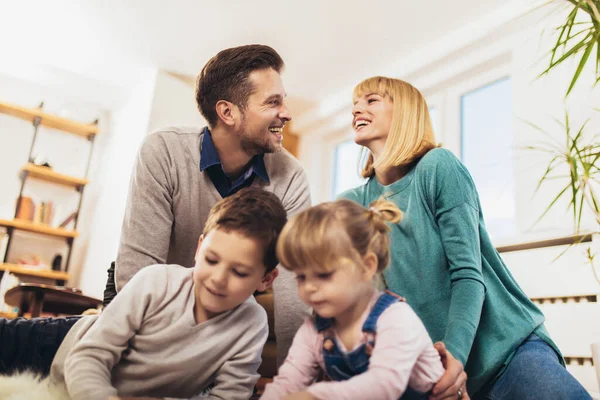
(254, 213)
(226, 77)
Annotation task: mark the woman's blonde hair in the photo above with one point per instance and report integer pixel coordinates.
(337, 232)
(411, 132)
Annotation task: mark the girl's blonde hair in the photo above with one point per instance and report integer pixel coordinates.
(411, 132)
(337, 232)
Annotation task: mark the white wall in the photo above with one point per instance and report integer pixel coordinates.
(174, 103)
(128, 127)
(157, 100)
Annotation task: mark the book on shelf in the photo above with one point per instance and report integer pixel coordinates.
(41, 213)
(46, 209)
(26, 208)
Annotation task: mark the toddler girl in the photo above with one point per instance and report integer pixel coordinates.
(365, 343)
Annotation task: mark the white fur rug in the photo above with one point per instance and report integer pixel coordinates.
(28, 386)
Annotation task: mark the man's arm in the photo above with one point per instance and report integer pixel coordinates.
(290, 311)
(148, 221)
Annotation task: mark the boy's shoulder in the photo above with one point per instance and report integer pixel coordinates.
(251, 312)
(249, 318)
(161, 271)
(160, 279)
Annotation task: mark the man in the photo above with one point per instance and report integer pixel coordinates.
(180, 173)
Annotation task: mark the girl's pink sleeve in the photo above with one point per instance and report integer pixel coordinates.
(301, 367)
(403, 356)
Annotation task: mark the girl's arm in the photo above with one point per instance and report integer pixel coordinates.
(403, 354)
(89, 363)
(301, 367)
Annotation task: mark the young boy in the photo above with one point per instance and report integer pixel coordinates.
(178, 332)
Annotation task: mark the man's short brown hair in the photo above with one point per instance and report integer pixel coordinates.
(225, 77)
(254, 213)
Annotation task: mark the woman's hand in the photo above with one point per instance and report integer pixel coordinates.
(452, 384)
(299, 396)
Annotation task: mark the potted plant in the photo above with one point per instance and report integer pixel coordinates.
(578, 37)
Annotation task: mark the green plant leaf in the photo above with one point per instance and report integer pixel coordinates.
(582, 157)
(545, 177)
(598, 59)
(573, 50)
(582, 62)
(578, 226)
(564, 28)
(572, 43)
(551, 204)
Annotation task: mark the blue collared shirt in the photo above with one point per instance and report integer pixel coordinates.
(211, 163)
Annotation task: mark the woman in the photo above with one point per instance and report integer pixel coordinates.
(443, 260)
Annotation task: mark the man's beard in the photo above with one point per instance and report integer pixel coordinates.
(253, 146)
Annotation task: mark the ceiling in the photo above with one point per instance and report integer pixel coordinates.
(328, 45)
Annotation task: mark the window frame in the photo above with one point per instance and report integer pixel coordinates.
(332, 143)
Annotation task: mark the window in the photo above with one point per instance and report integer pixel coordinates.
(434, 119)
(486, 147)
(346, 169)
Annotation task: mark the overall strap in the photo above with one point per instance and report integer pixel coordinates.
(369, 328)
(324, 327)
(385, 300)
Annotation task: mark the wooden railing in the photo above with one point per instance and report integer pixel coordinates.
(558, 300)
(562, 241)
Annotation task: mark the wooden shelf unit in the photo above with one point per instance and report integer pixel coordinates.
(49, 120)
(19, 270)
(47, 174)
(38, 228)
(39, 118)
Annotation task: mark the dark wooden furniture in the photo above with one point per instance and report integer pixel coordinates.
(35, 298)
